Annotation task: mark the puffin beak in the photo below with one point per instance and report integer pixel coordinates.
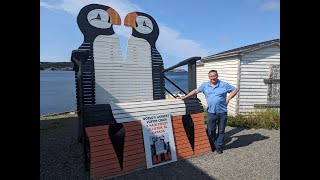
(114, 17)
(130, 19)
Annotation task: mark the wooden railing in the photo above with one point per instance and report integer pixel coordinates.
(192, 76)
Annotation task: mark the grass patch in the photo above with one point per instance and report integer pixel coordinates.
(266, 119)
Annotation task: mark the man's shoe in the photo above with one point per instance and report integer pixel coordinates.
(213, 149)
(219, 151)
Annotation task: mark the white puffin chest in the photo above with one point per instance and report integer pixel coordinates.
(118, 79)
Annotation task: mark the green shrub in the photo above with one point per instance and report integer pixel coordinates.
(266, 119)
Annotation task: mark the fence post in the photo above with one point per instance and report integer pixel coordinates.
(192, 82)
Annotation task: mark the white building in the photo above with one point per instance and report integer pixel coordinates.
(254, 69)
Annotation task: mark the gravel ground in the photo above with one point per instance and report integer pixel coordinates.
(248, 154)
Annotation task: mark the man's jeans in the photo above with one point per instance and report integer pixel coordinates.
(213, 120)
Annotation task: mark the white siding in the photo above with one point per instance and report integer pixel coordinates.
(133, 111)
(118, 79)
(254, 68)
(228, 71)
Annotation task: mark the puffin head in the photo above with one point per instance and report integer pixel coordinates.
(143, 26)
(96, 19)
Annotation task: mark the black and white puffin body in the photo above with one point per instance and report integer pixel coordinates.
(145, 32)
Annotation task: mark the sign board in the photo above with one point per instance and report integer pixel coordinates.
(158, 139)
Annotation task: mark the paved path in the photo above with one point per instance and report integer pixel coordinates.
(248, 154)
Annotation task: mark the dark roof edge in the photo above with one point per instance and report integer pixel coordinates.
(213, 57)
(241, 50)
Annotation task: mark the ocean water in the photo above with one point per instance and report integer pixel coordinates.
(58, 93)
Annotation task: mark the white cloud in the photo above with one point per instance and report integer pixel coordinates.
(73, 7)
(46, 5)
(270, 6)
(267, 5)
(122, 7)
(170, 41)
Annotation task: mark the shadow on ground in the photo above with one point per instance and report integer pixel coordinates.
(241, 140)
(181, 169)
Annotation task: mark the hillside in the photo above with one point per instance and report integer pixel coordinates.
(56, 66)
(177, 70)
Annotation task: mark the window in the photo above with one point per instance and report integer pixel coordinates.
(274, 85)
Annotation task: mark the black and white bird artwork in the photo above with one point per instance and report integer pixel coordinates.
(102, 46)
(142, 45)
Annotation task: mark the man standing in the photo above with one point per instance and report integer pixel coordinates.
(215, 92)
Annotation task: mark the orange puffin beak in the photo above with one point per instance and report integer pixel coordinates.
(130, 19)
(114, 17)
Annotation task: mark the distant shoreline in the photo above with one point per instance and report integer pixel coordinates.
(56, 70)
(68, 66)
(65, 113)
(180, 71)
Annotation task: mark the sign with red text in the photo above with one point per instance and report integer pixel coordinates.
(158, 139)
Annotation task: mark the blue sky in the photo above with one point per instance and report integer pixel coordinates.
(187, 28)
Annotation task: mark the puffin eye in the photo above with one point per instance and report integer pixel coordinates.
(144, 23)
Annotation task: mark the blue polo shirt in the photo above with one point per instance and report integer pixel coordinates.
(216, 97)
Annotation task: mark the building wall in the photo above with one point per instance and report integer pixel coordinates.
(255, 67)
(227, 70)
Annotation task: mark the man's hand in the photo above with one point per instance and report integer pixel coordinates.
(232, 94)
(188, 95)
